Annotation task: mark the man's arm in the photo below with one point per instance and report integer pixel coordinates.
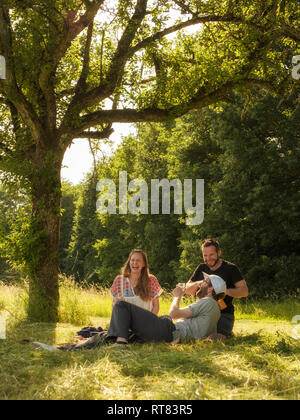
(240, 290)
(193, 284)
(175, 311)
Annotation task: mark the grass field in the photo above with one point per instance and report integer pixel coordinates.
(261, 361)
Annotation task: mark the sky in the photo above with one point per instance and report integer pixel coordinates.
(78, 159)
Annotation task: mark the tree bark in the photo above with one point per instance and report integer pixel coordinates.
(45, 225)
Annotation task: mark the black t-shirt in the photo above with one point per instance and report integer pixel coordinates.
(229, 272)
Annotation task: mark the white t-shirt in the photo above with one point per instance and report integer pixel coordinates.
(122, 288)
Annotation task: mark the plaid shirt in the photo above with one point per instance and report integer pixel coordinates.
(116, 288)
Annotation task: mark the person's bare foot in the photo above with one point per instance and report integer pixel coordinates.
(121, 340)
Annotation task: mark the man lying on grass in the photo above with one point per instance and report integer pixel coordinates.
(199, 320)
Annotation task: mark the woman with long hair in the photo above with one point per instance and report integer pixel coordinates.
(136, 285)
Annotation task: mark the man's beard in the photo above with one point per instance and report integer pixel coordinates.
(215, 263)
(202, 292)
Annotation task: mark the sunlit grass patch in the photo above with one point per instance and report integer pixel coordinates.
(261, 361)
(268, 309)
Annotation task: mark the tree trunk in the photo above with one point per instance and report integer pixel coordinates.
(45, 230)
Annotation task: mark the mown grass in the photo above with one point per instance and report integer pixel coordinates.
(262, 360)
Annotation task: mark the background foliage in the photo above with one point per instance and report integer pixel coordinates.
(73, 68)
(249, 161)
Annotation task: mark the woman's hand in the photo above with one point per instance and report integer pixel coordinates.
(155, 307)
(119, 298)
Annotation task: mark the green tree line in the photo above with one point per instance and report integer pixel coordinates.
(249, 160)
(250, 167)
(76, 67)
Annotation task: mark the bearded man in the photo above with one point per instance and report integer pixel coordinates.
(230, 273)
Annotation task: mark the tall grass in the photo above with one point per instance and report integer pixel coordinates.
(260, 362)
(267, 309)
(13, 300)
(80, 303)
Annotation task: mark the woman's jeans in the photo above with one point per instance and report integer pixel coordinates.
(147, 326)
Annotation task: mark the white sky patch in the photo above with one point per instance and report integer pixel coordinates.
(78, 160)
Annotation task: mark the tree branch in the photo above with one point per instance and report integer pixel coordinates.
(124, 52)
(58, 50)
(201, 100)
(292, 33)
(81, 85)
(9, 85)
(184, 8)
(119, 60)
(73, 29)
(191, 22)
(98, 135)
(6, 45)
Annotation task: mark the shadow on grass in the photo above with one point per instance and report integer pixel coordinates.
(187, 371)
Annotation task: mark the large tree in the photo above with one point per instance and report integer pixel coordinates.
(74, 67)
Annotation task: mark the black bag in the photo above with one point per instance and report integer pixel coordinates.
(88, 332)
(96, 340)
